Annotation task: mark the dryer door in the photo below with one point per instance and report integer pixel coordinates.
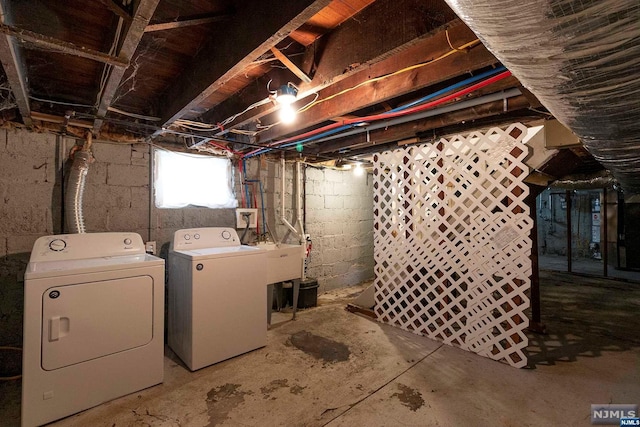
(90, 320)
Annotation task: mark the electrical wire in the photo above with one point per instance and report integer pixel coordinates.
(349, 123)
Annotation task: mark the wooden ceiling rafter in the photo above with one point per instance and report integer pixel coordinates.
(131, 39)
(56, 45)
(189, 21)
(351, 94)
(338, 57)
(246, 38)
(11, 60)
(117, 8)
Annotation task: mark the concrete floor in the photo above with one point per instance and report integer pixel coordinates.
(330, 367)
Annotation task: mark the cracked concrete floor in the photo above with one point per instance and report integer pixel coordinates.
(330, 367)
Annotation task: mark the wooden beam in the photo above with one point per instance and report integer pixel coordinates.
(355, 93)
(11, 60)
(411, 129)
(358, 45)
(130, 41)
(234, 47)
(118, 9)
(290, 65)
(56, 45)
(188, 21)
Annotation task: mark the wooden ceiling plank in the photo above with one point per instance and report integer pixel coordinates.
(240, 43)
(118, 9)
(347, 61)
(188, 21)
(12, 63)
(385, 89)
(290, 65)
(130, 41)
(60, 46)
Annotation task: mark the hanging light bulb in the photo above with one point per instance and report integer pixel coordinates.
(358, 170)
(287, 114)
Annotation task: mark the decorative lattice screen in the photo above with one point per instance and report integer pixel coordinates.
(452, 241)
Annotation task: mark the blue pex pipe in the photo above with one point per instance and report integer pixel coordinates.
(422, 100)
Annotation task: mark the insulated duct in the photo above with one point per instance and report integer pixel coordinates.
(581, 59)
(75, 187)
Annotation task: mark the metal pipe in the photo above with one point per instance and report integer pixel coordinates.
(75, 186)
(282, 194)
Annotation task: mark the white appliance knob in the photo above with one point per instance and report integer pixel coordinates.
(196, 236)
(127, 241)
(57, 245)
(226, 235)
(187, 237)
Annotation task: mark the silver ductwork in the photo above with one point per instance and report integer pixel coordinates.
(75, 188)
(581, 59)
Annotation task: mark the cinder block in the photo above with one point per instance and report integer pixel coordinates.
(168, 218)
(22, 168)
(140, 162)
(333, 202)
(21, 243)
(3, 140)
(139, 152)
(95, 219)
(24, 219)
(3, 246)
(140, 197)
(127, 219)
(97, 173)
(314, 174)
(332, 175)
(19, 195)
(314, 202)
(203, 217)
(36, 145)
(127, 175)
(106, 196)
(334, 227)
(112, 153)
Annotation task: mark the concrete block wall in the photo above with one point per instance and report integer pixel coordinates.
(116, 198)
(338, 216)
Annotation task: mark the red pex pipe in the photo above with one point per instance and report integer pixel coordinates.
(383, 116)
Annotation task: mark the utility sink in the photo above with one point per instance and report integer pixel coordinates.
(284, 261)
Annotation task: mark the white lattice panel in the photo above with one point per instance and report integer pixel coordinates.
(452, 241)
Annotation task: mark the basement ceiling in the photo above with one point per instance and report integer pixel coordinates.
(203, 73)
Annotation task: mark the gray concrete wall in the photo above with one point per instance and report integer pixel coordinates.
(116, 198)
(338, 217)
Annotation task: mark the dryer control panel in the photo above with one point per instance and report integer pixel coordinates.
(86, 245)
(208, 237)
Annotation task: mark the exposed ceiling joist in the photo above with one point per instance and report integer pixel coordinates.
(358, 91)
(332, 60)
(12, 64)
(413, 128)
(188, 21)
(117, 8)
(55, 45)
(290, 65)
(239, 44)
(132, 35)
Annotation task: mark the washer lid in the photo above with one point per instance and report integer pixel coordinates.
(230, 251)
(60, 268)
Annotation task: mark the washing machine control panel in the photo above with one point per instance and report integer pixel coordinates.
(200, 238)
(86, 245)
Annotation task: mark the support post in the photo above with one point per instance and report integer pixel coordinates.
(605, 231)
(569, 230)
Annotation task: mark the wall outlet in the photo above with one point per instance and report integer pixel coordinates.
(150, 247)
(241, 221)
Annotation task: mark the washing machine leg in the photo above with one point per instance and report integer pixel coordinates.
(269, 303)
(296, 292)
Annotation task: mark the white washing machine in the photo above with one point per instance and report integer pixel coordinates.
(93, 323)
(217, 296)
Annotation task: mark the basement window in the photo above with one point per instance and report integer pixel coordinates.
(191, 180)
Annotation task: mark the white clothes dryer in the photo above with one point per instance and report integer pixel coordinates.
(93, 323)
(217, 296)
